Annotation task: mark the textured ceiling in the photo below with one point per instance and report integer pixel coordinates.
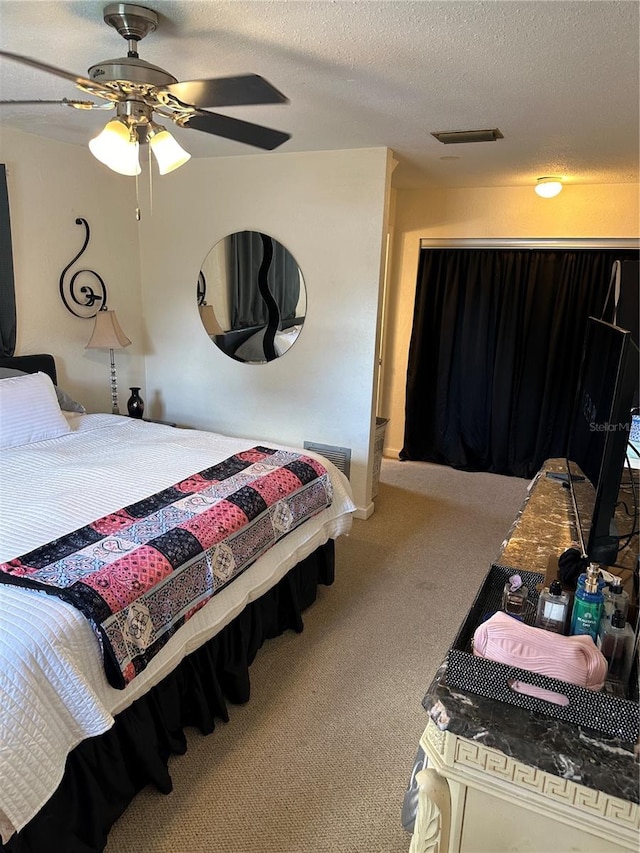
(559, 79)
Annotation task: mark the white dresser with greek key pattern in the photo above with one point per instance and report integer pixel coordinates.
(475, 799)
(501, 778)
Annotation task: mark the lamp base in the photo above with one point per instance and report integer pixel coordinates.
(114, 386)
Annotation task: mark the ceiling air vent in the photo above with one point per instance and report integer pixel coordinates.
(340, 456)
(450, 136)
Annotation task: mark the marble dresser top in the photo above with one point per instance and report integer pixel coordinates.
(545, 525)
(557, 747)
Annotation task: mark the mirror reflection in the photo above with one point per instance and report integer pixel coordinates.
(251, 297)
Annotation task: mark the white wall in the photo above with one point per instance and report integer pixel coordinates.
(50, 184)
(328, 209)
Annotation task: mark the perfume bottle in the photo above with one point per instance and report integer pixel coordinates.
(514, 597)
(615, 598)
(587, 604)
(616, 644)
(553, 608)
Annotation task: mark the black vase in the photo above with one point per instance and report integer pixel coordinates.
(135, 404)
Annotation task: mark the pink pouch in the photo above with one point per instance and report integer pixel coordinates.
(574, 659)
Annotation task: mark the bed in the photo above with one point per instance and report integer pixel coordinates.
(74, 749)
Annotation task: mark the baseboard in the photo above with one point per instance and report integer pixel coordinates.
(367, 511)
(364, 512)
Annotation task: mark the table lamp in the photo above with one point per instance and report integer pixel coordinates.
(107, 334)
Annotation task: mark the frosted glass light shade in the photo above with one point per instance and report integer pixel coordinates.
(115, 148)
(169, 154)
(548, 187)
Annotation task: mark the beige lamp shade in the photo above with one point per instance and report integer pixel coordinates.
(107, 333)
(209, 320)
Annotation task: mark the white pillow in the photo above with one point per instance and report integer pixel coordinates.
(29, 410)
(67, 403)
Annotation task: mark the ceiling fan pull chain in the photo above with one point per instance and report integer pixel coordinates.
(137, 200)
(150, 171)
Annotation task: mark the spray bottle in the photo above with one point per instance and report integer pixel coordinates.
(587, 605)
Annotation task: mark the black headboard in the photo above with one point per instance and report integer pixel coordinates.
(32, 364)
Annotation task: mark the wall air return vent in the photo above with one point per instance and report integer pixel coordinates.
(451, 136)
(340, 456)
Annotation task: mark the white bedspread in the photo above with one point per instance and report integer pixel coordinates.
(53, 690)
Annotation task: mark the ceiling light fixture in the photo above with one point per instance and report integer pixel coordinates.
(118, 144)
(169, 154)
(548, 187)
(117, 147)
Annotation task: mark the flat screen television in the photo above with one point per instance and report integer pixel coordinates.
(599, 434)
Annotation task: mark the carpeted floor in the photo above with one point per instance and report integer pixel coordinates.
(318, 760)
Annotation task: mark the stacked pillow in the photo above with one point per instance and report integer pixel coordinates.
(67, 403)
(30, 410)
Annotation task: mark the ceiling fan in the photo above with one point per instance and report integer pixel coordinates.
(139, 91)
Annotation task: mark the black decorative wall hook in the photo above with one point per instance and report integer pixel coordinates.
(88, 297)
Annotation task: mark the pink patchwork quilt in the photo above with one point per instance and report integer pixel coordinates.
(139, 573)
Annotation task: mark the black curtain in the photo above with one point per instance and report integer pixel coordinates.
(247, 306)
(495, 354)
(7, 291)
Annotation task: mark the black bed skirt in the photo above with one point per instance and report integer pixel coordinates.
(103, 774)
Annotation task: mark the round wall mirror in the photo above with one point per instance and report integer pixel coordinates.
(251, 297)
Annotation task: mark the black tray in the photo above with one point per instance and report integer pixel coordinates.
(599, 711)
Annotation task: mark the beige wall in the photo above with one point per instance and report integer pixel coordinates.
(328, 209)
(610, 211)
(50, 184)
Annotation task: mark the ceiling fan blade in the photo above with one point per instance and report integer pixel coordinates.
(64, 102)
(236, 129)
(245, 89)
(81, 82)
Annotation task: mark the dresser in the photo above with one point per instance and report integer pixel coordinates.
(503, 778)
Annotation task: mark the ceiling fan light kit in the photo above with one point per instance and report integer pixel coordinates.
(117, 147)
(138, 90)
(169, 154)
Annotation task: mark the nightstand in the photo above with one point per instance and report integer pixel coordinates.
(156, 421)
